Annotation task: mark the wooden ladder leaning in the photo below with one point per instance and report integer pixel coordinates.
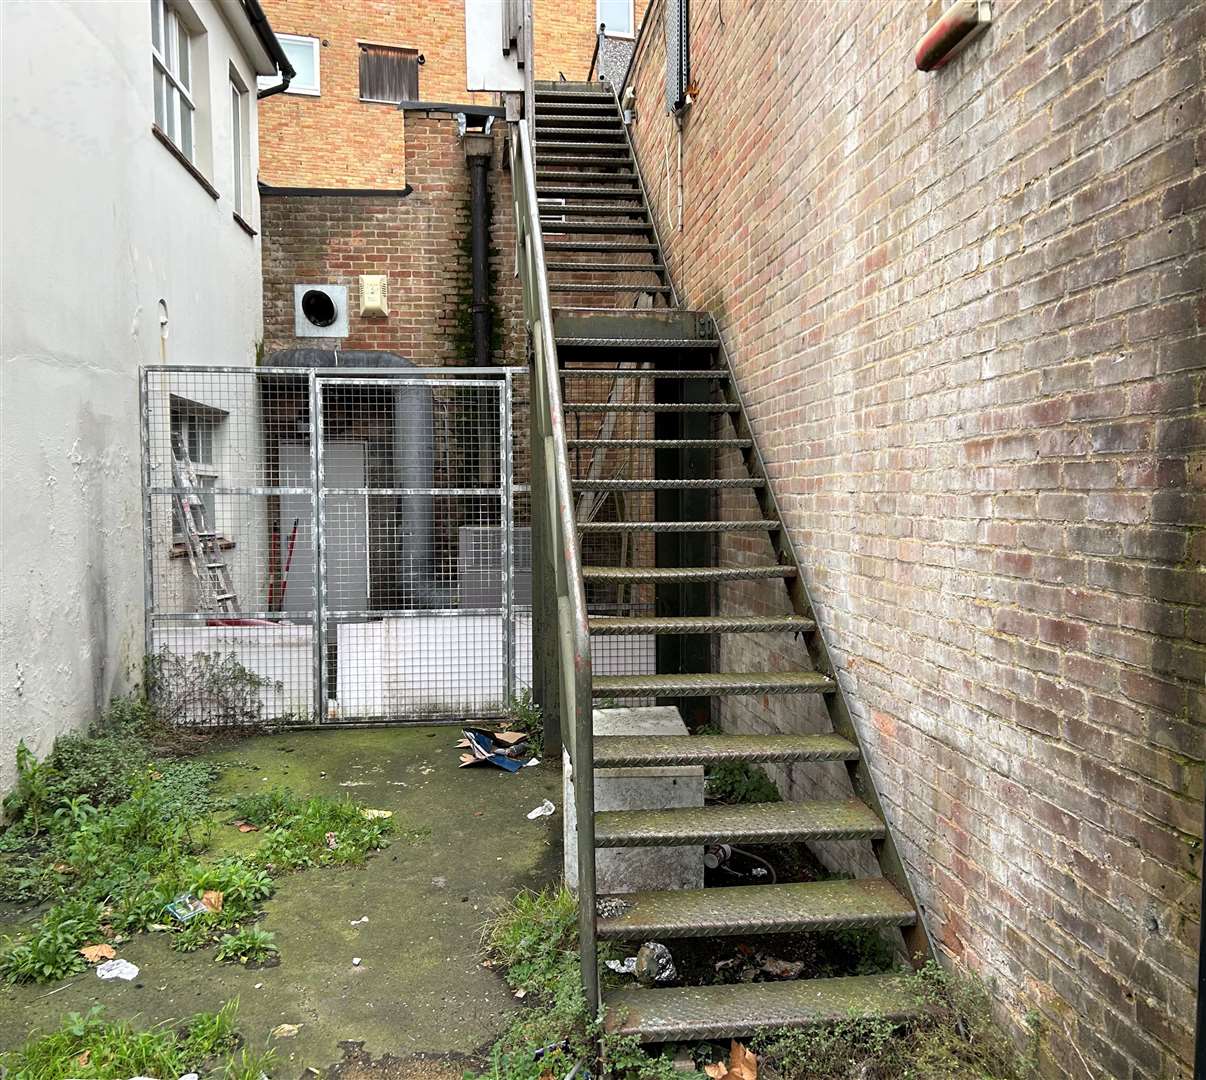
(217, 592)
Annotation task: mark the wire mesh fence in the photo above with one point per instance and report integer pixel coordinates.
(347, 547)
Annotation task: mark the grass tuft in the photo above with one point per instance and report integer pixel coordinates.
(90, 1047)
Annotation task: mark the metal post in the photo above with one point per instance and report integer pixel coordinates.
(318, 512)
(508, 541)
(148, 565)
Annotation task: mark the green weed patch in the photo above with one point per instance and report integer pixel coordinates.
(90, 1047)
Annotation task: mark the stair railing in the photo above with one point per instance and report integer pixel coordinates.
(561, 664)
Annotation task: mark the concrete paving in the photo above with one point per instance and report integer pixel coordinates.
(420, 998)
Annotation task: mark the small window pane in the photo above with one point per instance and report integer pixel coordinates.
(184, 58)
(304, 57)
(616, 15)
(388, 74)
(186, 129)
(157, 23)
(160, 115)
(236, 145)
(169, 126)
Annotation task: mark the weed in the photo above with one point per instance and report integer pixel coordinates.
(127, 849)
(205, 689)
(251, 945)
(250, 1065)
(526, 716)
(534, 939)
(953, 1037)
(740, 782)
(92, 1048)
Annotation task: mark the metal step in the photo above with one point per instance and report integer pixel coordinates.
(603, 286)
(549, 134)
(562, 145)
(557, 107)
(593, 208)
(700, 624)
(600, 245)
(658, 444)
(646, 406)
(694, 1013)
(678, 526)
(798, 907)
(649, 373)
(643, 343)
(746, 823)
(619, 160)
(554, 175)
(666, 485)
(713, 684)
(559, 226)
(602, 194)
(639, 751)
(554, 96)
(596, 116)
(670, 575)
(604, 268)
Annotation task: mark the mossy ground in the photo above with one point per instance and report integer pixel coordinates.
(420, 987)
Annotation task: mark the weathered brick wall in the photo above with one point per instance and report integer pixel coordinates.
(337, 140)
(420, 241)
(966, 312)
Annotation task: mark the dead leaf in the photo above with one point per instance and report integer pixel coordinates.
(521, 993)
(246, 826)
(285, 1031)
(212, 899)
(63, 868)
(156, 774)
(84, 1058)
(718, 1071)
(371, 814)
(742, 1064)
(547, 1075)
(94, 954)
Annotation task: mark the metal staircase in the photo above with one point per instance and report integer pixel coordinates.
(626, 479)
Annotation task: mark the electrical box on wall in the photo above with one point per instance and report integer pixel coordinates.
(320, 311)
(372, 295)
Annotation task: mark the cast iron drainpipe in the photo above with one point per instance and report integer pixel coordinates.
(479, 148)
(263, 30)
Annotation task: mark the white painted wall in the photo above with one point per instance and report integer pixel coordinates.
(100, 222)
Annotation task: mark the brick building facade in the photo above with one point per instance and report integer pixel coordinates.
(388, 188)
(966, 313)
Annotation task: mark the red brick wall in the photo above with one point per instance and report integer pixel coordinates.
(966, 311)
(417, 240)
(337, 140)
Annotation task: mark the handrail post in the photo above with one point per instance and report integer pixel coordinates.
(561, 675)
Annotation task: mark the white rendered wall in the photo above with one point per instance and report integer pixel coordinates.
(100, 222)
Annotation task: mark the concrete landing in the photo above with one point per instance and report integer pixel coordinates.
(420, 988)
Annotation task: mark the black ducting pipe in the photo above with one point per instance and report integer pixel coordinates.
(479, 202)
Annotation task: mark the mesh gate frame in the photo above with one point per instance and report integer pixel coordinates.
(505, 378)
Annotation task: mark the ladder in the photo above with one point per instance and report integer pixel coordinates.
(217, 592)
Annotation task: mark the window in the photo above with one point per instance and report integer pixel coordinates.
(617, 16)
(196, 426)
(388, 73)
(303, 55)
(172, 65)
(240, 152)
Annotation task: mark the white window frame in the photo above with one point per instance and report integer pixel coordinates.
(172, 83)
(631, 34)
(240, 146)
(316, 49)
(183, 418)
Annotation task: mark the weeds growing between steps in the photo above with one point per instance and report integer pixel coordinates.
(533, 941)
(109, 831)
(90, 1047)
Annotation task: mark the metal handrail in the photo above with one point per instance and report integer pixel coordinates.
(561, 675)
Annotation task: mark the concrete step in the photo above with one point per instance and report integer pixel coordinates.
(693, 1013)
(746, 823)
(640, 751)
(793, 908)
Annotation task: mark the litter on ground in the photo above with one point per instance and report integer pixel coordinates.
(285, 1031)
(186, 907)
(504, 749)
(543, 810)
(117, 969)
(627, 966)
(654, 965)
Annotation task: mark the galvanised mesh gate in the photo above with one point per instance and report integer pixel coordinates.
(335, 547)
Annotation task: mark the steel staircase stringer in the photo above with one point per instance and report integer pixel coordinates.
(918, 942)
